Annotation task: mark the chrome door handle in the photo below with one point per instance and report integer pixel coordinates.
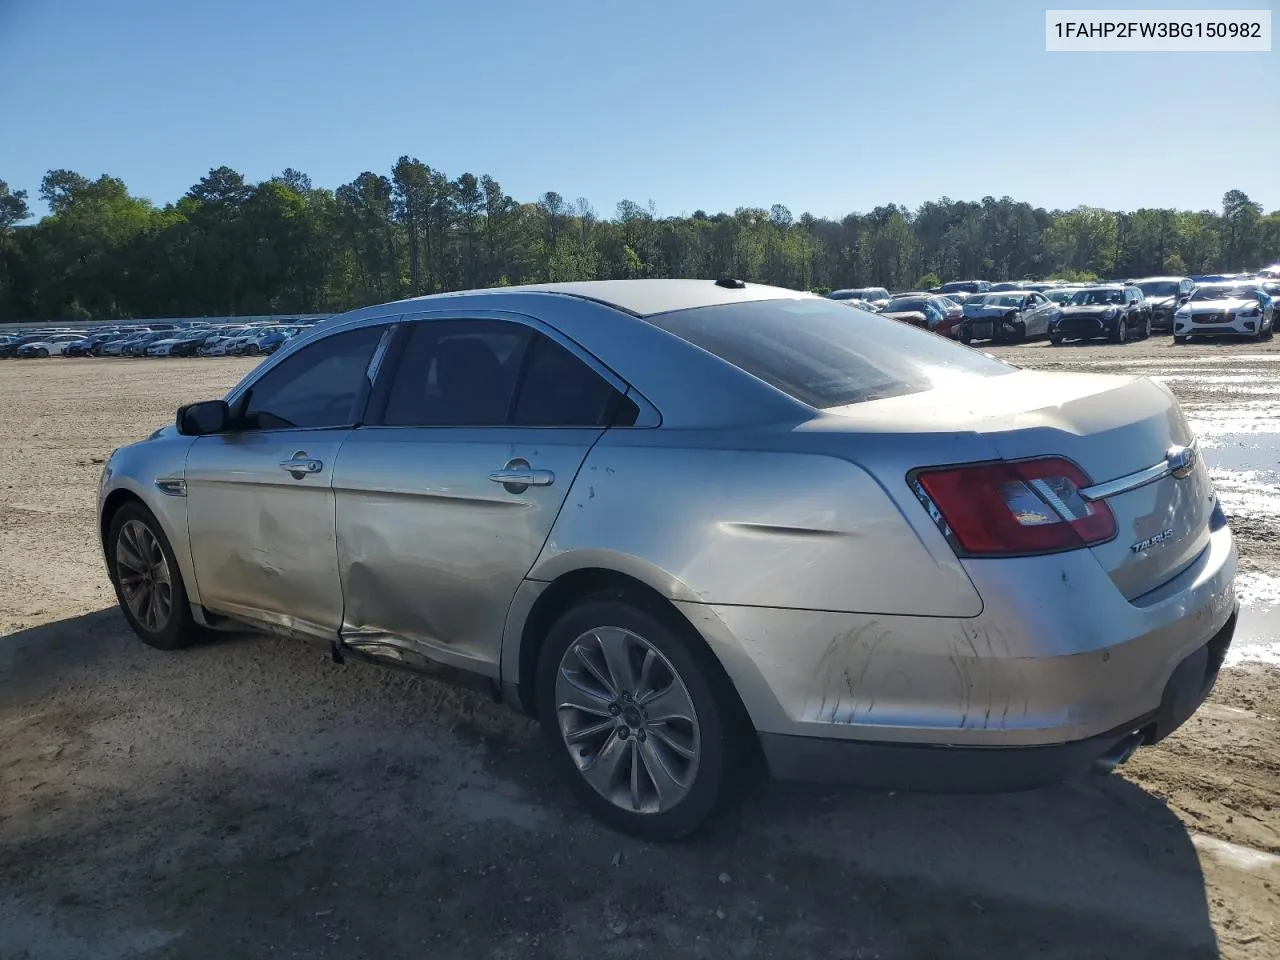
(299, 465)
(523, 476)
(517, 476)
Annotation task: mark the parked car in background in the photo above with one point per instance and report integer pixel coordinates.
(9, 348)
(1270, 273)
(962, 290)
(85, 347)
(1061, 295)
(137, 346)
(1009, 317)
(1164, 296)
(1226, 309)
(731, 501)
(182, 344)
(48, 346)
(877, 296)
(1113, 311)
(1005, 285)
(1040, 286)
(925, 310)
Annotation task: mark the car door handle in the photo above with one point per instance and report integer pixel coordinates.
(300, 465)
(523, 477)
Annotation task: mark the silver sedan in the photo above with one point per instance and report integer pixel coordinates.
(686, 522)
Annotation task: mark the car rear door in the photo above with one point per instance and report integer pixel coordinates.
(260, 505)
(446, 497)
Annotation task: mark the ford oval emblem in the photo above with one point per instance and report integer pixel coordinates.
(1181, 460)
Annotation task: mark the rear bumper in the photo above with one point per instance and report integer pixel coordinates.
(1058, 660)
(941, 768)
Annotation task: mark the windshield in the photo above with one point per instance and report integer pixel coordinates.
(1091, 298)
(903, 305)
(1059, 296)
(1159, 288)
(1226, 292)
(960, 286)
(827, 355)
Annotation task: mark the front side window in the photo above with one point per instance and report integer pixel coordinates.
(319, 386)
(826, 355)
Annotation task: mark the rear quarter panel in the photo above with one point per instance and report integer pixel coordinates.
(748, 527)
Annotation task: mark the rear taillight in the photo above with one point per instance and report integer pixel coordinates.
(1004, 509)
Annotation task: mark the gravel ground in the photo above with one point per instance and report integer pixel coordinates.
(247, 798)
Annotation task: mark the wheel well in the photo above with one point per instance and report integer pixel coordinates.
(115, 500)
(578, 585)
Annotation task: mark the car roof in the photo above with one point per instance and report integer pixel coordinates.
(640, 298)
(1153, 279)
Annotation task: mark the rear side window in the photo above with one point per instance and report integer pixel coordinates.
(319, 386)
(824, 354)
(457, 373)
(559, 390)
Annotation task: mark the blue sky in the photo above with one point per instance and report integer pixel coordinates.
(828, 106)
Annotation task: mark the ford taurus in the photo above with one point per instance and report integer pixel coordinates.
(688, 523)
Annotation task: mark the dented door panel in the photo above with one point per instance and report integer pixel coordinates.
(431, 549)
(262, 538)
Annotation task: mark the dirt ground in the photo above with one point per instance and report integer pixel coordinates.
(248, 798)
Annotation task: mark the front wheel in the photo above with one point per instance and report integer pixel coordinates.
(1179, 341)
(1055, 341)
(42, 353)
(253, 350)
(1122, 331)
(1146, 331)
(638, 716)
(147, 580)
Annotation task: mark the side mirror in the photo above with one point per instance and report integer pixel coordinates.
(204, 418)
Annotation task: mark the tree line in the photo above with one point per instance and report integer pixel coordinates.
(231, 247)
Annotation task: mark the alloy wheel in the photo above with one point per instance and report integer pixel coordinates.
(627, 720)
(144, 576)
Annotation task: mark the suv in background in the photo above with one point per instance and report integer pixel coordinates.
(1164, 296)
(1111, 310)
(962, 290)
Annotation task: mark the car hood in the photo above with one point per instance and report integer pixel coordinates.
(1160, 301)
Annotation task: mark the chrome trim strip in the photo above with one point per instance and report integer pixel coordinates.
(1132, 481)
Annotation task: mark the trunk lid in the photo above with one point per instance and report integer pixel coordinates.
(1112, 427)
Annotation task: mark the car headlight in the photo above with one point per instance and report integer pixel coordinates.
(1110, 313)
(1247, 312)
(1182, 314)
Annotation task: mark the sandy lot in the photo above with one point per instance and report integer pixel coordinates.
(249, 798)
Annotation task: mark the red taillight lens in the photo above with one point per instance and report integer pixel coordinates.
(1032, 506)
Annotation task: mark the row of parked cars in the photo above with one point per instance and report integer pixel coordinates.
(192, 339)
(1243, 305)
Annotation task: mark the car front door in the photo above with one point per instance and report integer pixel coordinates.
(260, 505)
(446, 497)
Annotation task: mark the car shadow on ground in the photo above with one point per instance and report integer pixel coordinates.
(246, 798)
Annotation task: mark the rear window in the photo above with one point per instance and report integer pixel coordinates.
(826, 354)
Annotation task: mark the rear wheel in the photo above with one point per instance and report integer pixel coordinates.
(639, 718)
(147, 580)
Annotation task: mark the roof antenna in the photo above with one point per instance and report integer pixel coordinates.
(729, 283)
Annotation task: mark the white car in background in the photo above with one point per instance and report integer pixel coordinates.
(1226, 309)
(55, 345)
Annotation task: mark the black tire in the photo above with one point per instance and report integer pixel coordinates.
(42, 353)
(965, 338)
(1179, 341)
(1122, 331)
(1055, 341)
(252, 350)
(179, 628)
(1146, 330)
(723, 736)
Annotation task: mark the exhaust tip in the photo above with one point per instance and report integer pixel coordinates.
(1118, 754)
